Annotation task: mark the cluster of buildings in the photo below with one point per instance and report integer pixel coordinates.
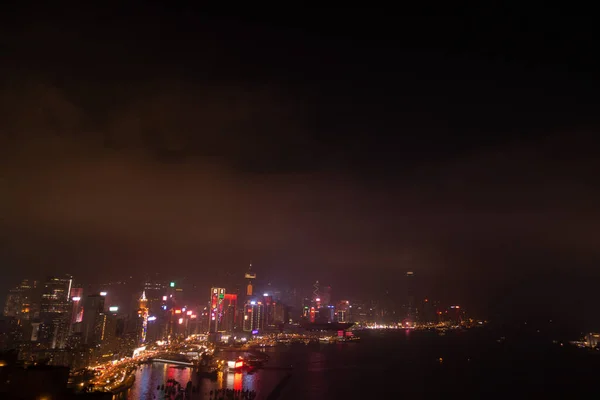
(54, 321)
(61, 322)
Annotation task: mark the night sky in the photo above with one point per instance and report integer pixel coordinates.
(342, 145)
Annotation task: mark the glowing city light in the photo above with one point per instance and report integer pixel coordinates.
(152, 318)
(113, 308)
(76, 298)
(164, 298)
(180, 321)
(103, 293)
(172, 284)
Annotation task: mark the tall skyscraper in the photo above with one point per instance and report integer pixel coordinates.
(343, 311)
(55, 295)
(410, 296)
(143, 315)
(55, 311)
(326, 296)
(94, 319)
(269, 311)
(250, 276)
(217, 297)
(76, 299)
(253, 316)
(230, 312)
(22, 302)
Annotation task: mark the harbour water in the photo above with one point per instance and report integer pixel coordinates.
(149, 376)
(473, 364)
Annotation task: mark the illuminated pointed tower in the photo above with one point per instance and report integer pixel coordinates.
(143, 314)
(250, 276)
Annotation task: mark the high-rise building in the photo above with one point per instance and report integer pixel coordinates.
(410, 296)
(316, 295)
(326, 296)
(280, 316)
(55, 312)
(217, 297)
(94, 319)
(21, 301)
(230, 312)
(77, 309)
(250, 276)
(155, 291)
(253, 316)
(343, 311)
(55, 295)
(269, 311)
(143, 315)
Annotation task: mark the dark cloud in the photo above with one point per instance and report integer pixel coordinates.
(112, 200)
(194, 152)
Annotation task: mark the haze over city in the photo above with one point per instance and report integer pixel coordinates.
(298, 203)
(153, 142)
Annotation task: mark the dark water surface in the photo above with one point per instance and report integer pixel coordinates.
(393, 365)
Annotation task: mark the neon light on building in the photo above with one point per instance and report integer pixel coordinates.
(143, 313)
(215, 322)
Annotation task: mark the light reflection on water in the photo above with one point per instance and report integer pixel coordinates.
(149, 376)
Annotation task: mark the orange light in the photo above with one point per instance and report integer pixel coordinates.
(193, 316)
(177, 311)
(239, 364)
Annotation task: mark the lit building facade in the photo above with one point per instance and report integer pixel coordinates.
(253, 316)
(216, 314)
(143, 315)
(22, 302)
(94, 320)
(230, 312)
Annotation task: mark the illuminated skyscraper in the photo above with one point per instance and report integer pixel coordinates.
(55, 295)
(55, 311)
(251, 276)
(215, 322)
(21, 302)
(143, 314)
(342, 311)
(94, 319)
(253, 316)
(410, 296)
(269, 311)
(326, 296)
(230, 312)
(77, 309)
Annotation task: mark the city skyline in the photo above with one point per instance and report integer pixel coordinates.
(348, 152)
(299, 203)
